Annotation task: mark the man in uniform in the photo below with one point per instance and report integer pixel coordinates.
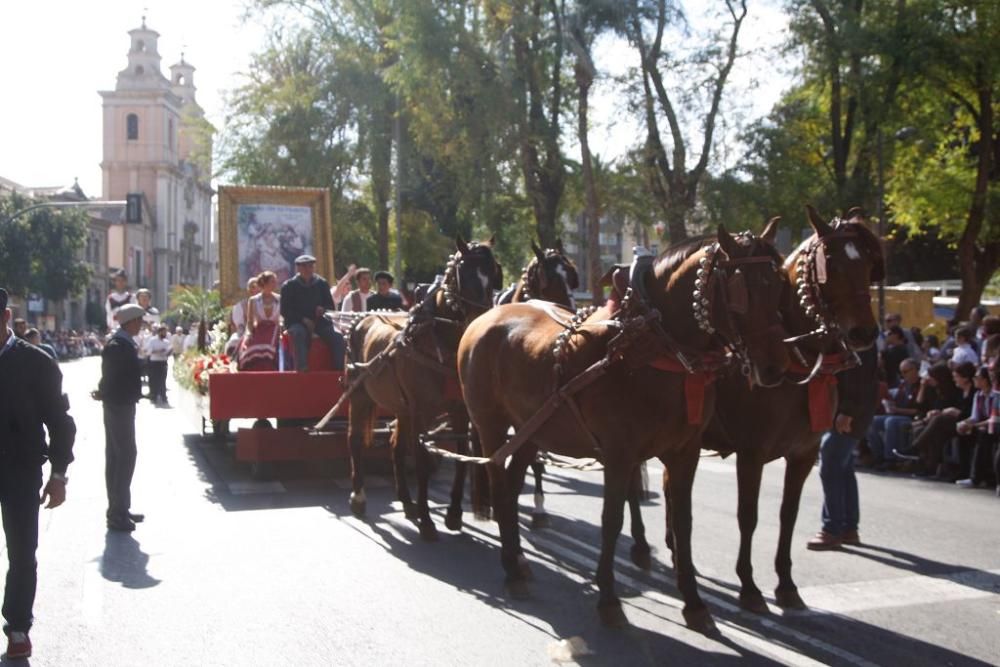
(120, 389)
(30, 397)
(305, 298)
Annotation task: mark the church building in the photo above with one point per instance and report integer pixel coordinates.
(157, 152)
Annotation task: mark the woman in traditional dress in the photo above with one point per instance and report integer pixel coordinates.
(259, 351)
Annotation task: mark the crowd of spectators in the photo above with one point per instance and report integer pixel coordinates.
(60, 345)
(939, 416)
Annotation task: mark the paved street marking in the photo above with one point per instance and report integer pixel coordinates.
(917, 589)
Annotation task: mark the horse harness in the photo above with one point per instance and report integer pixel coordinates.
(641, 341)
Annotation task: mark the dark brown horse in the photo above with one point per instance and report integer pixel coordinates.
(414, 378)
(831, 316)
(617, 385)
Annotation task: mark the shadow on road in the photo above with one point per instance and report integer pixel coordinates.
(123, 561)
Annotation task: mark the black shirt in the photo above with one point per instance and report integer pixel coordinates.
(121, 378)
(299, 300)
(31, 396)
(391, 301)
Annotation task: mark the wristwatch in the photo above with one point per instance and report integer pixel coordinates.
(59, 477)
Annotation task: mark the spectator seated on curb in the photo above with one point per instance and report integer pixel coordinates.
(891, 431)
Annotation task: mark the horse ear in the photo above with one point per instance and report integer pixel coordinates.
(572, 277)
(817, 223)
(460, 244)
(771, 231)
(726, 242)
(538, 252)
(498, 277)
(559, 246)
(492, 241)
(855, 214)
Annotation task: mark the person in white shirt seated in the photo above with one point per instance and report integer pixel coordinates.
(343, 287)
(357, 300)
(159, 349)
(963, 348)
(238, 317)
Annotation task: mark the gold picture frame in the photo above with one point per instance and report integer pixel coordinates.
(265, 228)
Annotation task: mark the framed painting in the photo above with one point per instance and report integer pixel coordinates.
(264, 228)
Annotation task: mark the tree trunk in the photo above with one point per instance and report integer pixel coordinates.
(592, 215)
(381, 180)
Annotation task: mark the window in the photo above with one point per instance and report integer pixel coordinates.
(132, 127)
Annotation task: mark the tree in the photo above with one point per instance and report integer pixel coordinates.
(195, 304)
(673, 184)
(950, 176)
(40, 251)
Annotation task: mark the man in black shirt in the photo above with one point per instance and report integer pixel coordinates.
(30, 398)
(120, 389)
(305, 298)
(385, 298)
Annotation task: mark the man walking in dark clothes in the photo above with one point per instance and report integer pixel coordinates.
(857, 394)
(30, 398)
(305, 297)
(120, 389)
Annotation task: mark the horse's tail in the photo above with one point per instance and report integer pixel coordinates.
(480, 489)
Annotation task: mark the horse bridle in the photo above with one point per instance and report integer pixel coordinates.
(810, 270)
(451, 286)
(736, 299)
(536, 268)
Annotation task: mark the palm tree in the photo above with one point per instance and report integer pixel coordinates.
(195, 304)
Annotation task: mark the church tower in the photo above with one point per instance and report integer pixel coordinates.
(157, 144)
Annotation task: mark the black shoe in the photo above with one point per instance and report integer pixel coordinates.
(136, 517)
(121, 525)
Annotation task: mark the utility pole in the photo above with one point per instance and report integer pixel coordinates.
(397, 132)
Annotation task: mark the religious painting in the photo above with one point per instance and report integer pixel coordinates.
(265, 229)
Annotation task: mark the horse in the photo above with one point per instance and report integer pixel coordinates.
(549, 276)
(832, 316)
(404, 363)
(604, 385)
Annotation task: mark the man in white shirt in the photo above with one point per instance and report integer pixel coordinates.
(159, 348)
(119, 296)
(357, 300)
(177, 342)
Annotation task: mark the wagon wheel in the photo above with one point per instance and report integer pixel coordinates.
(262, 471)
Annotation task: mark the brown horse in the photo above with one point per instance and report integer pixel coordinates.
(550, 276)
(628, 383)
(832, 316)
(414, 378)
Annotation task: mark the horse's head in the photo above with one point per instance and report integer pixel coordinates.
(732, 288)
(472, 275)
(551, 276)
(833, 270)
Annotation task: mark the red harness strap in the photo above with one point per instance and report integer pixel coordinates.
(820, 405)
(694, 385)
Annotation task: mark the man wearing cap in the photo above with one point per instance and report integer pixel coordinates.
(305, 298)
(357, 300)
(385, 298)
(31, 402)
(120, 389)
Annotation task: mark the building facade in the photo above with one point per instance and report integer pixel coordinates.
(157, 144)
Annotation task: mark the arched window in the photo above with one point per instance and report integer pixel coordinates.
(132, 127)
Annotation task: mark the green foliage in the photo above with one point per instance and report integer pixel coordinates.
(40, 251)
(192, 304)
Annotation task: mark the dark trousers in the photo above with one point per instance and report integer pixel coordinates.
(933, 439)
(158, 380)
(119, 457)
(985, 456)
(19, 492)
(840, 486)
(301, 341)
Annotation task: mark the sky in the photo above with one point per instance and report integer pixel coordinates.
(57, 54)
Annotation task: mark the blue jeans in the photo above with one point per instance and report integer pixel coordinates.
(889, 432)
(840, 486)
(301, 341)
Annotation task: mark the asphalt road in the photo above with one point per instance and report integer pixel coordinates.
(228, 571)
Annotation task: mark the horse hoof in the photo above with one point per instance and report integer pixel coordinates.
(525, 568)
(410, 511)
(482, 515)
(518, 589)
(358, 503)
(641, 556)
(789, 598)
(754, 602)
(453, 520)
(700, 620)
(539, 521)
(611, 614)
(428, 531)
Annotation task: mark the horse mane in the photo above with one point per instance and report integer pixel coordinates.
(671, 258)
